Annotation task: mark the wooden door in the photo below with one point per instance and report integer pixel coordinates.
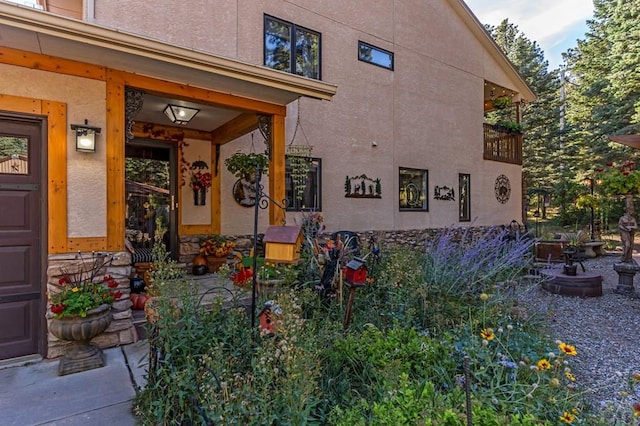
(21, 235)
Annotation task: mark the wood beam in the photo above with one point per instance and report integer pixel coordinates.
(161, 132)
(115, 162)
(209, 97)
(277, 189)
(51, 63)
(231, 130)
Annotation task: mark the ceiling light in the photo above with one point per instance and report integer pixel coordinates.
(179, 114)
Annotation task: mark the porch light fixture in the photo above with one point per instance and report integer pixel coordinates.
(85, 136)
(179, 114)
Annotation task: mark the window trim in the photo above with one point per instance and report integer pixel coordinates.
(381, 50)
(292, 56)
(293, 205)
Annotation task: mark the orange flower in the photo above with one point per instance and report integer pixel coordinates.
(567, 417)
(487, 333)
(543, 364)
(636, 409)
(567, 349)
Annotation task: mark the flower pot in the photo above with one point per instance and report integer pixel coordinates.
(214, 263)
(82, 356)
(200, 197)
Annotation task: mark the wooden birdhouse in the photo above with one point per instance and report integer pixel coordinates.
(356, 272)
(268, 316)
(282, 244)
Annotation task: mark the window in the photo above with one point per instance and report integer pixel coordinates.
(464, 201)
(413, 190)
(290, 48)
(375, 55)
(310, 198)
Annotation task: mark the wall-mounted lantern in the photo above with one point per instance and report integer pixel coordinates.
(85, 136)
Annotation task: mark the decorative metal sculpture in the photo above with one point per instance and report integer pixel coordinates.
(502, 189)
(444, 193)
(362, 187)
(264, 125)
(133, 99)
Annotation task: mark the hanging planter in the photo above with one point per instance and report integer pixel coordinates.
(299, 157)
(244, 165)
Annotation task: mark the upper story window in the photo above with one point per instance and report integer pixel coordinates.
(375, 55)
(290, 48)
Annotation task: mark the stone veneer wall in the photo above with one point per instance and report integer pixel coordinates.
(121, 330)
(414, 238)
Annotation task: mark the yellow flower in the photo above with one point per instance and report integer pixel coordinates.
(636, 409)
(543, 364)
(554, 383)
(636, 377)
(75, 289)
(487, 333)
(484, 297)
(567, 417)
(570, 376)
(567, 349)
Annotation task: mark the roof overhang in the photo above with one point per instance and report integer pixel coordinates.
(525, 92)
(629, 140)
(32, 30)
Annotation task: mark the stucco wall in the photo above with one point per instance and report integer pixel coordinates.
(86, 172)
(426, 114)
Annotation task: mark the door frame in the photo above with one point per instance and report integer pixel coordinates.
(42, 120)
(173, 188)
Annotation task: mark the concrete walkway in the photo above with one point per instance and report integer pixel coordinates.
(35, 395)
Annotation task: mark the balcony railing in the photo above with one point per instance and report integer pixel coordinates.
(502, 145)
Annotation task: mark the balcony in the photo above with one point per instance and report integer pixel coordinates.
(502, 145)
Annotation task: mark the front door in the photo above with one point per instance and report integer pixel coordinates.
(150, 187)
(21, 236)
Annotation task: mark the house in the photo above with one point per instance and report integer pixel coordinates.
(386, 98)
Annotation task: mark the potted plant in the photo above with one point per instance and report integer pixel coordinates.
(215, 249)
(80, 305)
(243, 165)
(199, 182)
(510, 126)
(502, 102)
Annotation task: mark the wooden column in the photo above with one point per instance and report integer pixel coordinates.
(277, 170)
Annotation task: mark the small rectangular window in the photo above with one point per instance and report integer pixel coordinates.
(375, 55)
(413, 190)
(14, 155)
(291, 48)
(309, 197)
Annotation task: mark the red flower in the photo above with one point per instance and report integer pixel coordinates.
(64, 280)
(626, 173)
(58, 309)
(242, 277)
(112, 283)
(610, 163)
(116, 295)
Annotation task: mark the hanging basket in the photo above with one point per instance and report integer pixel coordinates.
(299, 157)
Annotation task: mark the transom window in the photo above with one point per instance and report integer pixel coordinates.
(291, 48)
(375, 55)
(310, 196)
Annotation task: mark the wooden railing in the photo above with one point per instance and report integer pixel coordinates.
(501, 145)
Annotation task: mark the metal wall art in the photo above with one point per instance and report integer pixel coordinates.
(502, 189)
(464, 202)
(444, 193)
(362, 187)
(244, 192)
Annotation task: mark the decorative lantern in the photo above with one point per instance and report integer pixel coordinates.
(282, 244)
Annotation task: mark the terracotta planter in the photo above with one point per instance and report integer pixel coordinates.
(214, 263)
(81, 356)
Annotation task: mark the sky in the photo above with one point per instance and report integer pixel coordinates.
(554, 24)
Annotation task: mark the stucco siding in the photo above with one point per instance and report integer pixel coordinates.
(86, 172)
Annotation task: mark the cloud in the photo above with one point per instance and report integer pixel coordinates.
(554, 24)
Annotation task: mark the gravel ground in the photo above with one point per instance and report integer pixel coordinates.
(605, 333)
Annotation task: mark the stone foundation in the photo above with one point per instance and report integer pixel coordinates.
(121, 330)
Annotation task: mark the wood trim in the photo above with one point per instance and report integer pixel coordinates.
(86, 244)
(277, 170)
(57, 173)
(186, 92)
(160, 132)
(231, 130)
(56, 113)
(51, 63)
(216, 191)
(115, 162)
(195, 229)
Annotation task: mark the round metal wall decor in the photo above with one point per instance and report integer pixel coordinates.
(244, 192)
(502, 189)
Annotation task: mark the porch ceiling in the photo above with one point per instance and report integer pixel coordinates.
(41, 32)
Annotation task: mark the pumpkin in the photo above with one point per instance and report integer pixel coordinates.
(199, 261)
(139, 300)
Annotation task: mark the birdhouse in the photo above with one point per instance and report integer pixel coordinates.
(356, 272)
(282, 244)
(267, 317)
